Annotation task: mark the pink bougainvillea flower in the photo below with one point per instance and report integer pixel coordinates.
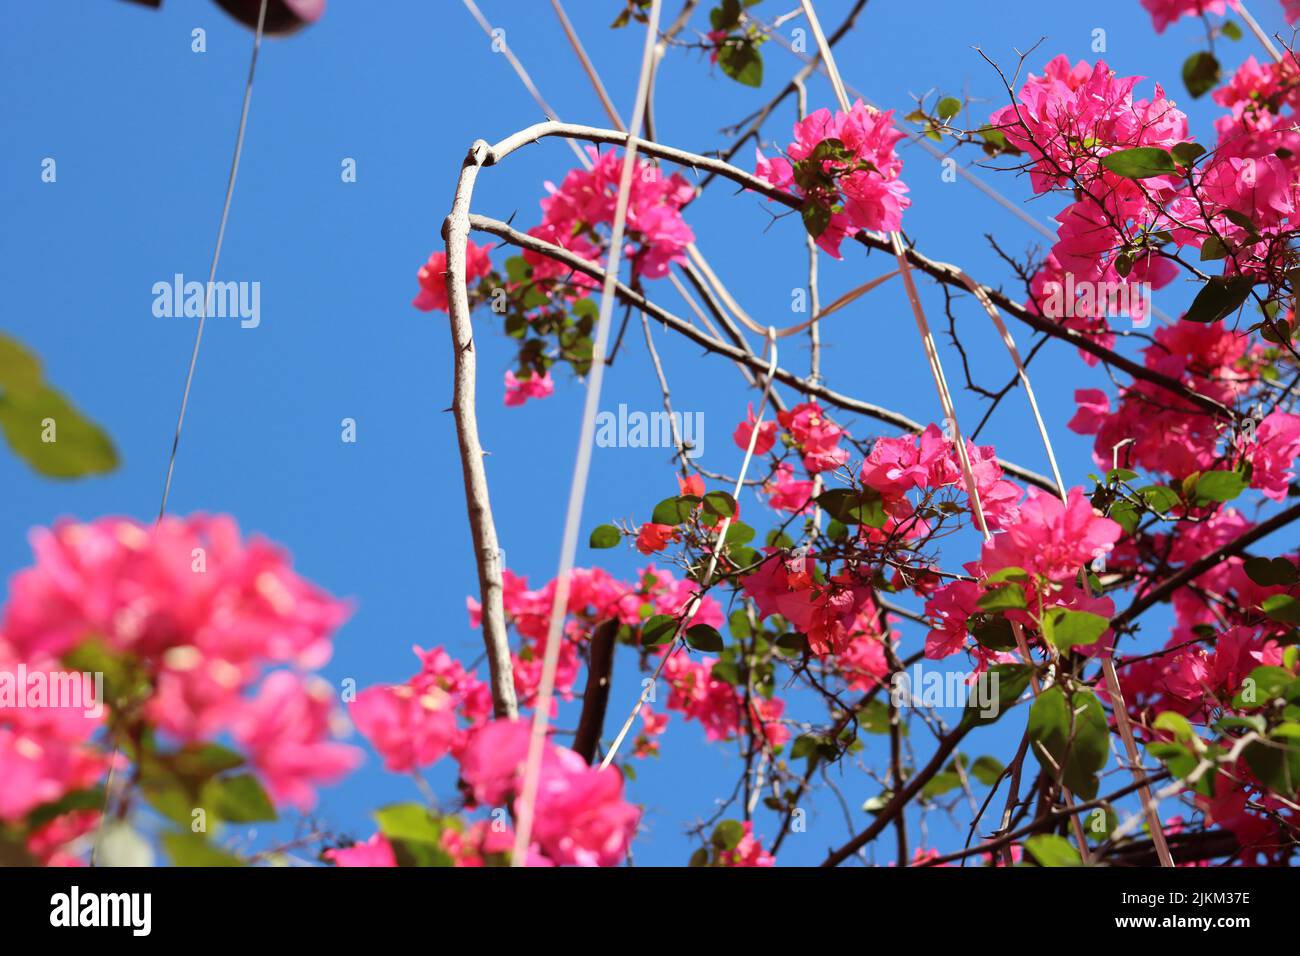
(748, 852)
(766, 434)
(1052, 538)
(852, 158)
(580, 815)
(520, 390)
(1165, 12)
(1273, 452)
(285, 731)
(433, 276)
(376, 851)
(655, 537)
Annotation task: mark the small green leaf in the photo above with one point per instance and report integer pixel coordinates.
(239, 799)
(1200, 73)
(1141, 162)
(1269, 572)
(658, 630)
(1220, 485)
(949, 107)
(1219, 298)
(704, 637)
(741, 61)
(605, 536)
(1048, 849)
(987, 770)
(1005, 598)
(673, 511)
(728, 834)
(1065, 628)
(193, 849)
(1282, 607)
(1213, 249)
(720, 503)
(1185, 154)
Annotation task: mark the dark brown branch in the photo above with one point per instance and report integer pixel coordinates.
(600, 662)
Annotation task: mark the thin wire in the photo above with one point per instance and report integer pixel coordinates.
(578, 488)
(189, 377)
(216, 257)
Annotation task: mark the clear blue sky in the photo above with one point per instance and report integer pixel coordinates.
(142, 128)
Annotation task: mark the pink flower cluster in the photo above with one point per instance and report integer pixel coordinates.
(1165, 12)
(594, 596)
(202, 614)
(717, 705)
(520, 390)
(1051, 541)
(580, 818)
(1163, 433)
(415, 724)
(895, 466)
(433, 276)
(587, 198)
(846, 164)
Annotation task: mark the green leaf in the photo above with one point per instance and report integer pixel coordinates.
(1261, 686)
(1200, 73)
(1070, 732)
(1159, 498)
(940, 784)
(792, 641)
(739, 533)
(408, 821)
(816, 217)
(852, 507)
(1185, 154)
(605, 536)
(1282, 607)
(1005, 598)
(1176, 724)
(874, 718)
(948, 107)
(658, 630)
(673, 511)
(1269, 572)
(1141, 162)
(1230, 30)
(193, 849)
(1048, 849)
(1009, 573)
(992, 631)
(1219, 298)
(1012, 679)
(54, 438)
(1220, 485)
(1065, 628)
(741, 61)
(20, 370)
(720, 503)
(987, 770)
(73, 800)
(1213, 249)
(1276, 765)
(728, 834)
(239, 799)
(704, 637)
